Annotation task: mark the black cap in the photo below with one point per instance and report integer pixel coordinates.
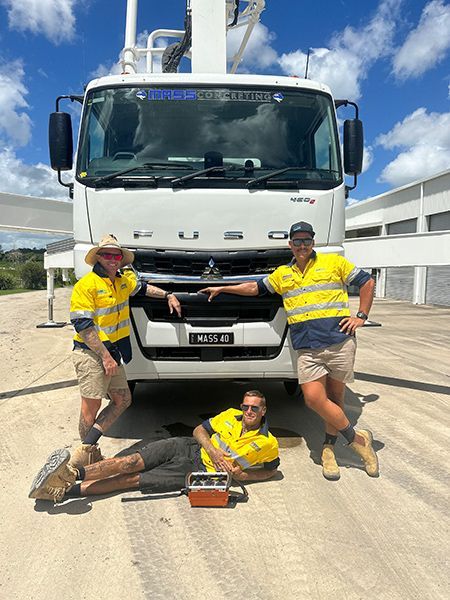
(301, 227)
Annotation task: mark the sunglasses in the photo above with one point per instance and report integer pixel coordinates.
(246, 407)
(302, 241)
(110, 256)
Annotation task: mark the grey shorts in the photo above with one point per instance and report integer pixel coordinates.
(92, 380)
(337, 361)
(167, 462)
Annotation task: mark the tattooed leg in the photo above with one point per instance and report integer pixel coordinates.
(112, 484)
(88, 413)
(123, 465)
(120, 401)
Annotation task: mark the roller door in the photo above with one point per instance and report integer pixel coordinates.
(438, 286)
(400, 283)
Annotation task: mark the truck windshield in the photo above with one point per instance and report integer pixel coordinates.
(250, 131)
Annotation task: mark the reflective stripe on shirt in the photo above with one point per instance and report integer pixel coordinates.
(318, 287)
(234, 455)
(301, 310)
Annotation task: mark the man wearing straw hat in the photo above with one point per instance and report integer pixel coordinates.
(100, 314)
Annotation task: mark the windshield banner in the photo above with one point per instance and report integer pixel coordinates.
(223, 95)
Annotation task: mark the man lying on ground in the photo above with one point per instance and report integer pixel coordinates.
(234, 441)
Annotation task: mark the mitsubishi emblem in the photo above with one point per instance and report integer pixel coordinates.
(211, 271)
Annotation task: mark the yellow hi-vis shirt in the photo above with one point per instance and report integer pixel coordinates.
(316, 300)
(255, 448)
(96, 300)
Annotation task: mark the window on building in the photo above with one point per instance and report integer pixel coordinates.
(363, 232)
(439, 222)
(408, 226)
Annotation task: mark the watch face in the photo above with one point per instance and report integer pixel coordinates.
(361, 315)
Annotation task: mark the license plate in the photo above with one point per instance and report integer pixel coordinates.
(211, 339)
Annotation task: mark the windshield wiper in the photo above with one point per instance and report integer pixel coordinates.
(253, 182)
(150, 165)
(182, 180)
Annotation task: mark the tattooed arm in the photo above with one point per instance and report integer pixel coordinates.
(156, 292)
(91, 339)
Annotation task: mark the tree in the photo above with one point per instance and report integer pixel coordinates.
(7, 281)
(33, 275)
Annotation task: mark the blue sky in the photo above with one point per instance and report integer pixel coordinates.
(391, 56)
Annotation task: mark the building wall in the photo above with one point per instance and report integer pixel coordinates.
(415, 264)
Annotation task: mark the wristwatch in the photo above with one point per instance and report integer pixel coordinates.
(167, 294)
(362, 315)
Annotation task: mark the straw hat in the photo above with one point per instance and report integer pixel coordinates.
(109, 241)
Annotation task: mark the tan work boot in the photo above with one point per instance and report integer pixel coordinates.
(55, 477)
(84, 455)
(366, 452)
(330, 468)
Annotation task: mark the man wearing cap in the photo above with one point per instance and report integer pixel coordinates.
(236, 441)
(100, 314)
(314, 291)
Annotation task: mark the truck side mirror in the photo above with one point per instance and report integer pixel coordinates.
(60, 141)
(353, 146)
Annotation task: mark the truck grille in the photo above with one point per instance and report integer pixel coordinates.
(224, 310)
(213, 354)
(210, 264)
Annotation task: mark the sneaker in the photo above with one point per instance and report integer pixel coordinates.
(367, 453)
(330, 468)
(84, 455)
(55, 477)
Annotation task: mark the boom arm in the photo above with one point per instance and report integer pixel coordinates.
(209, 29)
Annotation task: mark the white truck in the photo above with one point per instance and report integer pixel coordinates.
(201, 174)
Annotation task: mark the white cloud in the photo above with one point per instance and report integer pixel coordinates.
(351, 53)
(425, 138)
(11, 241)
(18, 177)
(53, 18)
(367, 158)
(15, 124)
(426, 45)
(258, 53)
(106, 69)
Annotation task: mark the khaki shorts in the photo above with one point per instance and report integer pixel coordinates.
(91, 375)
(337, 361)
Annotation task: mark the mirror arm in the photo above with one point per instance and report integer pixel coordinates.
(67, 185)
(72, 98)
(348, 188)
(339, 103)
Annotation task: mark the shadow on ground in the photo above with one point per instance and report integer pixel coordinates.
(161, 410)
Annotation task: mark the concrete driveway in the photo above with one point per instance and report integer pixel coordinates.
(298, 537)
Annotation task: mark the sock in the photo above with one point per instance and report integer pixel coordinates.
(330, 439)
(93, 436)
(81, 473)
(74, 492)
(348, 433)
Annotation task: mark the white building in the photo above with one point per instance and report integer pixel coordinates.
(405, 235)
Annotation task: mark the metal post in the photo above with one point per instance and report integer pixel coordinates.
(129, 57)
(50, 298)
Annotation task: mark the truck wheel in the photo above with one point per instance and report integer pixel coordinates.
(291, 386)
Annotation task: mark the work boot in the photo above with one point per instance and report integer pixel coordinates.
(55, 477)
(330, 468)
(84, 455)
(366, 452)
